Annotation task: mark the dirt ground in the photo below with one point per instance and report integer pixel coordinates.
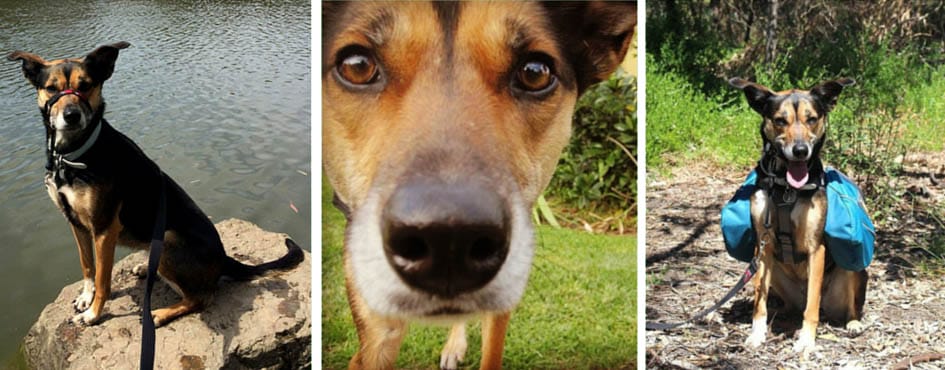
(688, 270)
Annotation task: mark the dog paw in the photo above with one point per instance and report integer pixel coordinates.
(85, 318)
(84, 300)
(855, 327)
(140, 270)
(453, 353)
(755, 340)
(804, 344)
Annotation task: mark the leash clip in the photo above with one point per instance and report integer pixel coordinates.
(790, 196)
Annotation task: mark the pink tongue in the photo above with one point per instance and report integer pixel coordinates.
(797, 174)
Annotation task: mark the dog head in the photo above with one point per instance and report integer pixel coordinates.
(443, 123)
(794, 122)
(69, 91)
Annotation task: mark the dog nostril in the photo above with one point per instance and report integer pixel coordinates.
(411, 248)
(485, 249)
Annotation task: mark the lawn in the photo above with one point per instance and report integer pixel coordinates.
(578, 312)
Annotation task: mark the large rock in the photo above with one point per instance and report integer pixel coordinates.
(263, 323)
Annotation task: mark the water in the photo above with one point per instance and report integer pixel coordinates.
(216, 92)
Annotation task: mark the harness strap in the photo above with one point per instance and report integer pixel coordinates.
(154, 259)
(784, 200)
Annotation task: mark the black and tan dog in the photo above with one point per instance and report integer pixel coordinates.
(793, 128)
(109, 190)
(443, 123)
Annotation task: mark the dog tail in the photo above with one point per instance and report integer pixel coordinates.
(237, 270)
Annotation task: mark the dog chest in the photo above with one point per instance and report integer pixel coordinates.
(74, 200)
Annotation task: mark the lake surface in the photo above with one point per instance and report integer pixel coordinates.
(216, 92)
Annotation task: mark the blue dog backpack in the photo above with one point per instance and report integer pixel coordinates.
(848, 232)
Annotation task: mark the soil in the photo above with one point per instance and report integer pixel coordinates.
(688, 270)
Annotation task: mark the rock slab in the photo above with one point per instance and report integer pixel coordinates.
(260, 324)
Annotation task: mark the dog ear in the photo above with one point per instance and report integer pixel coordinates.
(756, 94)
(596, 34)
(33, 66)
(100, 63)
(827, 92)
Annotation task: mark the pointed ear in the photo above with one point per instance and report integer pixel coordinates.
(33, 66)
(827, 92)
(100, 63)
(596, 34)
(757, 95)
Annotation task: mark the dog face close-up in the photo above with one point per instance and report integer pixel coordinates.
(69, 91)
(442, 124)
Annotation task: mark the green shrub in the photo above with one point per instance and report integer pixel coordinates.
(598, 168)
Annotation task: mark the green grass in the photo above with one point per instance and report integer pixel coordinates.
(682, 125)
(578, 311)
(928, 102)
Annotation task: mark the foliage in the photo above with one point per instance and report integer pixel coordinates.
(598, 168)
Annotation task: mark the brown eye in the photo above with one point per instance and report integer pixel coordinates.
(83, 86)
(358, 69)
(780, 121)
(535, 76)
(52, 89)
(812, 121)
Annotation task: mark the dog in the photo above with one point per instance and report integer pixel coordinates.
(443, 123)
(793, 128)
(109, 191)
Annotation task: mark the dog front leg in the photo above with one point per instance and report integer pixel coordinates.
(83, 239)
(494, 327)
(759, 318)
(805, 339)
(105, 256)
(455, 348)
(379, 337)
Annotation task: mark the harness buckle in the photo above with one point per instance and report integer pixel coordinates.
(790, 196)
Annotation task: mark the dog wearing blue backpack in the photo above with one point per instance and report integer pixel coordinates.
(802, 224)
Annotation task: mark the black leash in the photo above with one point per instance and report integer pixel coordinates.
(341, 206)
(154, 259)
(746, 277)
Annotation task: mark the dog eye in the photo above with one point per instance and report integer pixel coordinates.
(83, 86)
(52, 89)
(358, 69)
(535, 76)
(812, 121)
(780, 121)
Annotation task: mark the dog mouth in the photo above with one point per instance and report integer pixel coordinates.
(797, 174)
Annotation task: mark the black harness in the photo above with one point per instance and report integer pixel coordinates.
(782, 198)
(65, 168)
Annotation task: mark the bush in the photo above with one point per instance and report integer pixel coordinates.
(598, 168)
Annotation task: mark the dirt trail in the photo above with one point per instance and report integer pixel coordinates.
(688, 270)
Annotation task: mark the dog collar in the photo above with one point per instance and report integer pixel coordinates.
(73, 155)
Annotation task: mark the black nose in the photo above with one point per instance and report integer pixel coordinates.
(72, 115)
(446, 239)
(801, 150)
